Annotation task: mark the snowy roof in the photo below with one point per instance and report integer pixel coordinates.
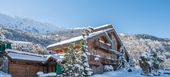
(20, 42)
(26, 56)
(106, 25)
(58, 57)
(66, 41)
(78, 38)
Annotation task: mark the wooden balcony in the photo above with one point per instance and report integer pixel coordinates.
(108, 61)
(104, 61)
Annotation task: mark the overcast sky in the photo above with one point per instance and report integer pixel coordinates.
(129, 16)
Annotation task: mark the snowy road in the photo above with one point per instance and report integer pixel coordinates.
(123, 73)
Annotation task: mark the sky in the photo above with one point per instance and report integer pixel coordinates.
(128, 16)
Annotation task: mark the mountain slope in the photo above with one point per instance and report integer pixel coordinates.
(26, 25)
(138, 43)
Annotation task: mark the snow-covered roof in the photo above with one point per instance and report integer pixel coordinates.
(66, 41)
(57, 57)
(20, 42)
(26, 56)
(78, 38)
(106, 25)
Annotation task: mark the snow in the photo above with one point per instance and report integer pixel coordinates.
(167, 70)
(96, 58)
(58, 57)
(102, 26)
(88, 53)
(125, 73)
(66, 41)
(20, 55)
(51, 74)
(122, 34)
(108, 68)
(20, 42)
(2, 74)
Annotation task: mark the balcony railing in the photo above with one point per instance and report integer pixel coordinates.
(108, 61)
(104, 61)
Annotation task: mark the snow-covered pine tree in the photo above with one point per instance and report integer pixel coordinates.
(151, 61)
(76, 64)
(71, 66)
(84, 55)
(122, 60)
(145, 64)
(156, 62)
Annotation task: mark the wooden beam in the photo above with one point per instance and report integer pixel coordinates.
(106, 47)
(110, 40)
(115, 52)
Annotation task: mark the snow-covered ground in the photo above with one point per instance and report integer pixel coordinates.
(125, 73)
(2, 74)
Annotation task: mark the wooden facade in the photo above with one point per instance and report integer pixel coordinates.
(103, 43)
(28, 64)
(28, 69)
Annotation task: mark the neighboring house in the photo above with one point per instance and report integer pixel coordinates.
(24, 64)
(104, 46)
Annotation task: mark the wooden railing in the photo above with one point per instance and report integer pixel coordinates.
(108, 61)
(104, 61)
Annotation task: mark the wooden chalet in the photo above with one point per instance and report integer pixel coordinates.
(24, 64)
(104, 46)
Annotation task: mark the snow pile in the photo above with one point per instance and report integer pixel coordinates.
(51, 74)
(2, 74)
(108, 68)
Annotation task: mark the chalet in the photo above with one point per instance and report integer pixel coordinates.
(24, 64)
(104, 46)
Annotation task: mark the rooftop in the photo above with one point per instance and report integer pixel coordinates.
(79, 38)
(26, 56)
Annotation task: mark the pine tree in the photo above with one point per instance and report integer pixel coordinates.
(84, 55)
(145, 64)
(123, 62)
(70, 61)
(76, 63)
(84, 61)
(156, 62)
(151, 61)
